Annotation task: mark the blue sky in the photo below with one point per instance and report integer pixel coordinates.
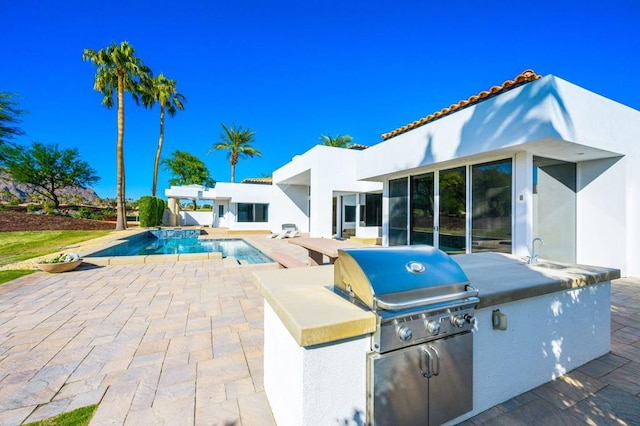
(293, 70)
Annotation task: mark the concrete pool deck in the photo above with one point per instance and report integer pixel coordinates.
(181, 343)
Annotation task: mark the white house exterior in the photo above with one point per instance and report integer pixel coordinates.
(537, 157)
(582, 199)
(236, 206)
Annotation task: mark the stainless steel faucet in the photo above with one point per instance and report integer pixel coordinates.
(533, 259)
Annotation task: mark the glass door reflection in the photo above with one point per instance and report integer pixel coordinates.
(452, 211)
(422, 202)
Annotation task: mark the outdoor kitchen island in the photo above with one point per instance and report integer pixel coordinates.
(532, 324)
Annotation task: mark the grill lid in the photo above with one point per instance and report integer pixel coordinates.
(396, 278)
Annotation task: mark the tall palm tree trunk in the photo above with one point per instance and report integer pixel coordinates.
(121, 212)
(233, 161)
(158, 151)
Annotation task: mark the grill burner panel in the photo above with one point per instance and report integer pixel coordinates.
(422, 327)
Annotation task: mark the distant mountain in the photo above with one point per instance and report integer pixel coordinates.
(22, 192)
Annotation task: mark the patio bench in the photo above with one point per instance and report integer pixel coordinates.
(285, 260)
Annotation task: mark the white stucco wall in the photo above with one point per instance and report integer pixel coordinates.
(290, 204)
(608, 205)
(547, 336)
(244, 192)
(321, 385)
(190, 218)
(602, 216)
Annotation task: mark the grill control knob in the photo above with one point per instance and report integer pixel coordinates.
(433, 327)
(470, 319)
(404, 333)
(457, 321)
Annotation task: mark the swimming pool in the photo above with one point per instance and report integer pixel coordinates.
(178, 242)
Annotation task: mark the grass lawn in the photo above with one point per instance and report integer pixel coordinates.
(80, 417)
(6, 276)
(22, 245)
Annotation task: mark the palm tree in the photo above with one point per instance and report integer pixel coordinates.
(238, 142)
(163, 91)
(119, 70)
(340, 141)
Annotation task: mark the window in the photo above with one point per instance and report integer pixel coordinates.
(491, 206)
(220, 211)
(349, 213)
(253, 212)
(372, 210)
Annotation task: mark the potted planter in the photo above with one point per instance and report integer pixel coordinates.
(61, 263)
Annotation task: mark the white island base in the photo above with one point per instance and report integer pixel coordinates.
(311, 378)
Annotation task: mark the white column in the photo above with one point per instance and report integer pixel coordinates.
(522, 215)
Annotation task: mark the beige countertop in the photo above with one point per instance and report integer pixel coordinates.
(308, 307)
(314, 314)
(503, 278)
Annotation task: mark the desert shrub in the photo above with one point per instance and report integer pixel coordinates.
(149, 211)
(105, 214)
(33, 208)
(84, 213)
(15, 201)
(49, 207)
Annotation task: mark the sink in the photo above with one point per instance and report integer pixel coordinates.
(549, 265)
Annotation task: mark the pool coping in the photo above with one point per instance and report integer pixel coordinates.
(229, 261)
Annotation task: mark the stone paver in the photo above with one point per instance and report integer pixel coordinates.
(157, 343)
(181, 343)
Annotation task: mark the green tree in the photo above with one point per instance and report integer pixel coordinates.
(118, 71)
(187, 169)
(340, 141)
(163, 91)
(238, 142)
(9, 119)
(46, 169)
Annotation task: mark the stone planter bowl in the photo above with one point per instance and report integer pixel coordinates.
(55, 268)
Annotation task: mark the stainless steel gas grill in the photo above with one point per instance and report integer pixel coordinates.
(420, 368)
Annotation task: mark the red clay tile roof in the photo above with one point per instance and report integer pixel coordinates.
(357, 146)
(524, 77)
(262, 180)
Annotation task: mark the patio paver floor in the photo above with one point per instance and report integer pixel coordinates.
(180, 343)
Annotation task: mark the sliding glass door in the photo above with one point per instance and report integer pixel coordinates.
(398, 203)
(452, 211)
(491, 201)
(447, 208)
(447, 230)
(422, 203)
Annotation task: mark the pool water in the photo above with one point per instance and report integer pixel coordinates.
(159, 242)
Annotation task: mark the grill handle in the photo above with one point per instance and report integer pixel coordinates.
(416, 303)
